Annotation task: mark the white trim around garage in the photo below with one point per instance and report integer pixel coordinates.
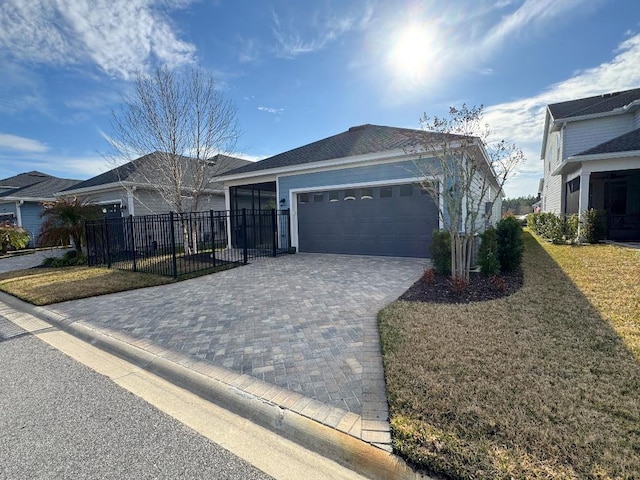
(293, 204)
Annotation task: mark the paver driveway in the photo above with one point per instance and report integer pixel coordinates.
(305, 322)
(19, 262)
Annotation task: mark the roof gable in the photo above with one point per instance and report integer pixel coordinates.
(594, 105)
(358, 140)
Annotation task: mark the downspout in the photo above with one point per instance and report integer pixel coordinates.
(19, 203)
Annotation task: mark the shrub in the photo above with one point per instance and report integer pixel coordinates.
(458, 285)
(510, 244)
(69, 259)
(593, 225)
(441, 252)
(429, 276)
(498, 284)
(12, 236)
(488, 252)
(572, 222)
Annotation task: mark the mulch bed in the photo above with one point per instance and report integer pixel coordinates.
(440, 288)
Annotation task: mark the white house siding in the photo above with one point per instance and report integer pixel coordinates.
(552, 185)
(582, 135)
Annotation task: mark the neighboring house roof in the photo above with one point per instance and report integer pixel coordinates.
(358, 140)
(44, 190)
(598, 104)
(627, 142)
(145, 171)
(24, 179)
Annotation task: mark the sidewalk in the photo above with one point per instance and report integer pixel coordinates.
(313, 316)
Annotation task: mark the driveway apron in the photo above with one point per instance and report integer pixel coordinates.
(304, 322)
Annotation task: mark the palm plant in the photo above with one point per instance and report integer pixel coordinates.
(64, 220)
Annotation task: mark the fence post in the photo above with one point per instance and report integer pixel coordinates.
(107, 242)
(133, 243)
(274, 233)
(213, 238)
(245, 253)
(174, 260)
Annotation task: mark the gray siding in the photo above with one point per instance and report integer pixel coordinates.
(149, 202)
(636, 119)
(582, 135)
(114, 196)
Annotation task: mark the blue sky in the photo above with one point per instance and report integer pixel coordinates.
(301, 71)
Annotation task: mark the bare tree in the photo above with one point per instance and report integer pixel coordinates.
(185, 121)
(464, 172)
(180, 122)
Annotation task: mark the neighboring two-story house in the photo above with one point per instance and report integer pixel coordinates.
(591, 155)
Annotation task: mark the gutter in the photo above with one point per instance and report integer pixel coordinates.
(597, 156)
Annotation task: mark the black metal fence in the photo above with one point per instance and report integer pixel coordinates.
(180, 244)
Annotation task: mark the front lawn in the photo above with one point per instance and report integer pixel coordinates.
(43, 286)
(541, 384)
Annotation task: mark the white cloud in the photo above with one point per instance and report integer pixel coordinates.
(522, 120)
(119, 36)
(21, 144)
(271, 110)
(324, 28)
(531, 12)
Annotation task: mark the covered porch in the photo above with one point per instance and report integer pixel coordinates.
(617, 192)
(254, 208)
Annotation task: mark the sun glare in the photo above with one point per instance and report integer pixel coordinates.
(411, 53)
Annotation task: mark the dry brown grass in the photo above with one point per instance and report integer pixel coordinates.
(536, 385)
(43, 286)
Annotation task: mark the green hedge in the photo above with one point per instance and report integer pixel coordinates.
(564, 228)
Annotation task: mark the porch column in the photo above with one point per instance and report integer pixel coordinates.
(130, 202)
(227, 206)
(584, 192)
(583, 204)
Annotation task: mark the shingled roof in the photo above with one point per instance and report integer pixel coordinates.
(41, 190)
(594, 105)
(627, 142)
(24, 179)
(358, 140)
(144, 170)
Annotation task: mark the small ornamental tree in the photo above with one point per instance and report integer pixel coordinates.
(12, 236)
(64, 221)
(470, 171)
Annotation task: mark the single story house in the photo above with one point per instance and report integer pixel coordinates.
(357, 192)
(140, 187)
(591, 156)
(22, 197)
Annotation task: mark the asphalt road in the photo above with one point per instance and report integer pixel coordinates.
(59, 419)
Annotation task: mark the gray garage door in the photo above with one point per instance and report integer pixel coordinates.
(395, 220)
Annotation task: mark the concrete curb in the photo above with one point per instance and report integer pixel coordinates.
(331, 441)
